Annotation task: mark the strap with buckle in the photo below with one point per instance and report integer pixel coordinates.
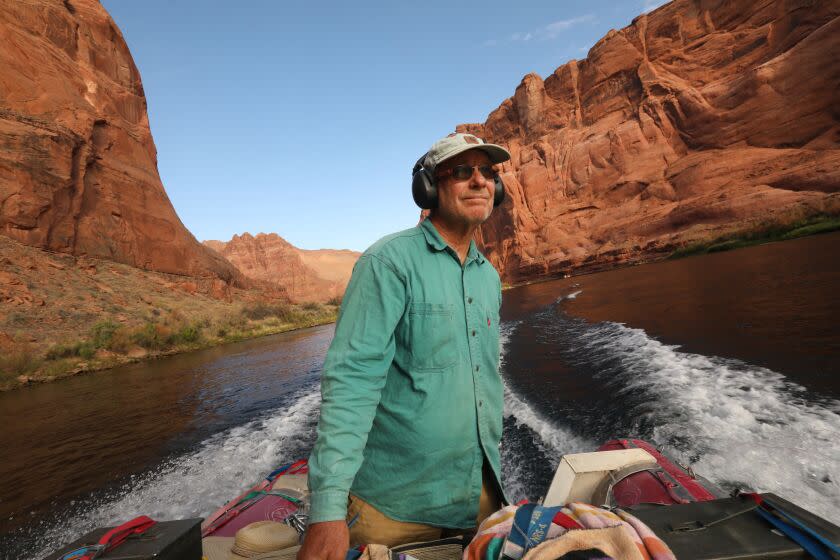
(111, 539)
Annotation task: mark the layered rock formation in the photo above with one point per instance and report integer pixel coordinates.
(702, 117)
(78, 167)
(319, 275)
(335, 265)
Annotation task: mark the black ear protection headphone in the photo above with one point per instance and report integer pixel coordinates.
(425, 192)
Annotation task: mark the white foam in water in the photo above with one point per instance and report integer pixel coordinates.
(197, 484)
(746, 425)
(554, 440)
(743, 422)
(566, 297)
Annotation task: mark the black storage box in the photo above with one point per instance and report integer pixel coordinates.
(165, 540)
(745, 536)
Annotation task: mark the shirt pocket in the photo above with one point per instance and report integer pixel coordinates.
(431, 339)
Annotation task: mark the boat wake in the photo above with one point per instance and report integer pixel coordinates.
(532, 443)
(737, 424)
(194, 485)
(740, 425)
(572, 295)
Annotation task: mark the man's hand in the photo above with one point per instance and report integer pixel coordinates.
(328, 540)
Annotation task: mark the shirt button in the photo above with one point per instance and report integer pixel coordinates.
(473, 333)
(469, 300)
(476, 368)
(480, 403)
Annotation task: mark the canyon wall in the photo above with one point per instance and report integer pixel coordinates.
(305, 275)
(702, 118)
(78, 166)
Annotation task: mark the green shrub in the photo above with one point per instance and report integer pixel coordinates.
(86, 350)
(825, 226)
(258, 311)
(151, 336)
(102, 333)
(761, 234)
(188, 334)
(60, 351)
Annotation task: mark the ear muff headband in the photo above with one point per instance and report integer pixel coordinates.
(424, 187)
(499, 192)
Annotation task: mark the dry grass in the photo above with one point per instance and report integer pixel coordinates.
(17, 358)
(81, 314)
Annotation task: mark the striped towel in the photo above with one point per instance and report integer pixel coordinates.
(491, 541)
(592, 517)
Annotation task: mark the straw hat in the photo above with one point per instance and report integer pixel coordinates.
(263, 539)
(217, 548)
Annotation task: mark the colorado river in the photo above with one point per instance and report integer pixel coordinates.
(729, 362)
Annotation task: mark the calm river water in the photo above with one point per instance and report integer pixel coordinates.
(730, 362)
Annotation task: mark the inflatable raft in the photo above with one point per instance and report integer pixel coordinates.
(694, 518)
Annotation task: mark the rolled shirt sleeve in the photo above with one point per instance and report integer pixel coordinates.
(354, 374)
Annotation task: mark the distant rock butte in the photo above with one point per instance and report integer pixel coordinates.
(700, 118)
(78, 167)
(306, 275)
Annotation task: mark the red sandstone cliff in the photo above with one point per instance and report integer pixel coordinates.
(701, 117)
(305, 275)
(78, 167)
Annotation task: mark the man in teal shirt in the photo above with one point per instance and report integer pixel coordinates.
(411, 418)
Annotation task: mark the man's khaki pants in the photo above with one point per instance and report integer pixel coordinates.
(374, 527)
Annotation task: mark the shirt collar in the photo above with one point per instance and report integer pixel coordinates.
(474, 253)
(437, 243)
(433, 238)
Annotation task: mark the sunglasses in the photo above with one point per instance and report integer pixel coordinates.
(463, 172)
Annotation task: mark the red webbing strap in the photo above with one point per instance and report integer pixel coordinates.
(754, 497)
(117, 535)
(299, 467)
(565, 521)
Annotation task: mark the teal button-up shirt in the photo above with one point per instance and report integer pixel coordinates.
(412, 398)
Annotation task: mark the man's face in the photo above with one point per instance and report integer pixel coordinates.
(466, 201)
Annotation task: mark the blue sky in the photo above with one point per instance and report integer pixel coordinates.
(305, 118)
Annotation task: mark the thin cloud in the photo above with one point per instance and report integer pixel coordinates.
(553, 29)
(649, 5)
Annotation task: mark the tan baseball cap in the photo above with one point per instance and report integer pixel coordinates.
(457, 143)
